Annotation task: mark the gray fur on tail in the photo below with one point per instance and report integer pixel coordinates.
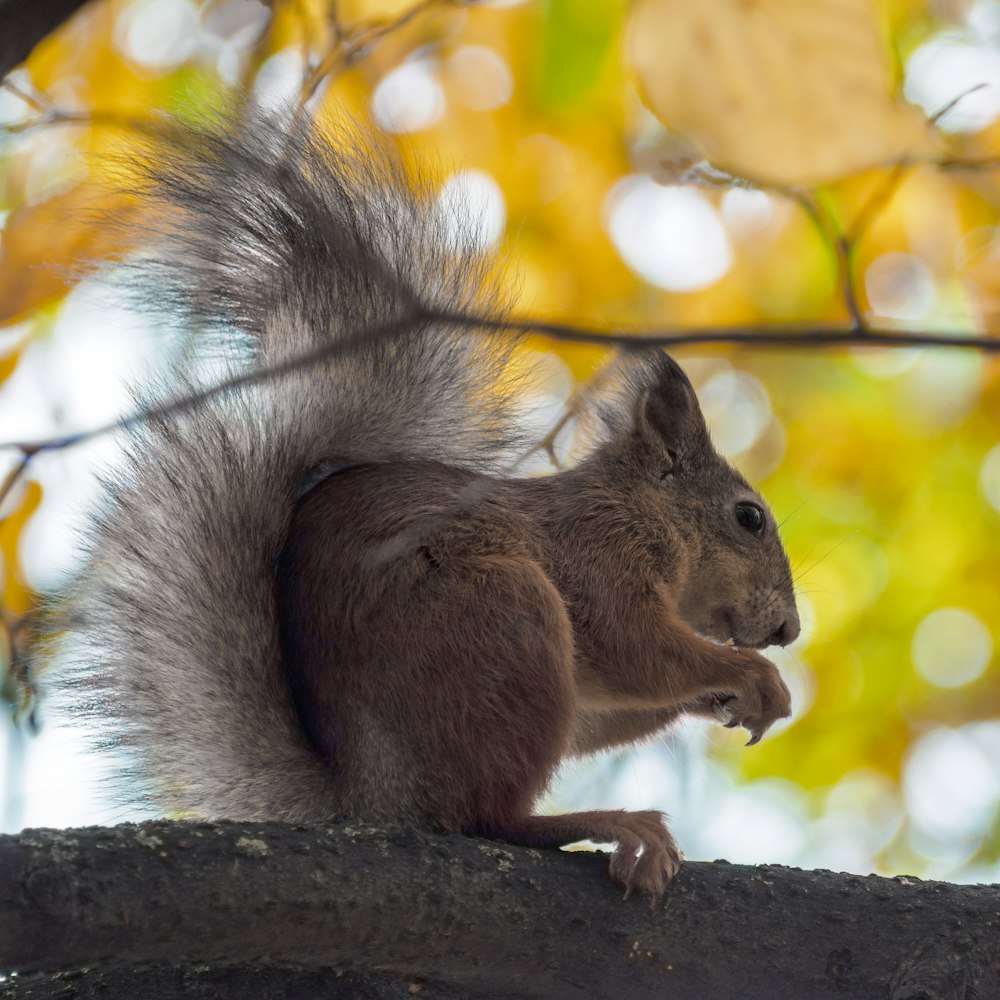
(288, 240)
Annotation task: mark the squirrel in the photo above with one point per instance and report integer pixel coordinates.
(319, 596)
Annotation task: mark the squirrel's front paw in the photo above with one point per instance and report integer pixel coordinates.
(756, 707)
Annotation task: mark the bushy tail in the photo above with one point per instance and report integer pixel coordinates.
(273, 242)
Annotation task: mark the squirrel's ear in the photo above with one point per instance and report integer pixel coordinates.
(668, 411)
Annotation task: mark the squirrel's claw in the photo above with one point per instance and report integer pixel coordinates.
(728, 714)
(723, 712)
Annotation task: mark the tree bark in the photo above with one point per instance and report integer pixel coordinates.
(24, 23)
(272, 910)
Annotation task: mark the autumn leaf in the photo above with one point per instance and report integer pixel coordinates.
(16, 595)
(783, 93)
(45, 244)
(8, 363)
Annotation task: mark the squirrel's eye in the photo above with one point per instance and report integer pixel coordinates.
(750, 517)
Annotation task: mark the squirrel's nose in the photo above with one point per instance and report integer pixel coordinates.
(787, 632)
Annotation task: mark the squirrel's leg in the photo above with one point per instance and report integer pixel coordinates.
(519, 613)
(447, 696)
(645, 858)
(479, 659)
(595, 731)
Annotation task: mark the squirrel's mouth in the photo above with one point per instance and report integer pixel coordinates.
(780, 633)
(723, 631)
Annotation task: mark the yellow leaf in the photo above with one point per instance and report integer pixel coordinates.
(45, 245)
(779, 91)
(15, 595)
(7, 365)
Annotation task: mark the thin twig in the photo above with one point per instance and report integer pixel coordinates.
(959, 163)
(161, 411)
(842, 247)
(575, 405)
(13, 477)
(49, 115)
(316, 73)
(32, 100)
(770, 336)
(890, 183)
(950, 106)
(826, 225)
(18, 629)
(764, 335)
(879, 198)
(351, 45)
(370, 34)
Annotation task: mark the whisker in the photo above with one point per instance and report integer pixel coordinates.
(803, 558)
(829, 552)
(795, 511)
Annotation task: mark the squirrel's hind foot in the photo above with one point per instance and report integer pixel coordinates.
(644, 861)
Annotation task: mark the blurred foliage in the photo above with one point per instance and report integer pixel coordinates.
(874, 458)
(748, 80)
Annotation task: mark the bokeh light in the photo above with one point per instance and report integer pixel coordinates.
(951, 647)
(480, 78)
(473, 209)
(409, 98)
(671, 236)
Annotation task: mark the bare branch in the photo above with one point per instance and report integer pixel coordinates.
(255, 377)
(352, 44)
(826, 225)
(374, 32)
(879, 198)
(843, 250)
(13, 477)
(898, 171)
(798, 336)
(950, 106)
(959, 163)
(575, 406)
(19, 630)
(50, 114)
(803, 336)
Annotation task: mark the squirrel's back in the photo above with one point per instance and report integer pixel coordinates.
(289, 243)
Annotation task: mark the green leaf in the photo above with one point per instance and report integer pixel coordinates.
(576, 38)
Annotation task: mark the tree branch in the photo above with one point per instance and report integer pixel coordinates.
(797, 336)
(793, 336)
(204, 982)
(481, 917)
